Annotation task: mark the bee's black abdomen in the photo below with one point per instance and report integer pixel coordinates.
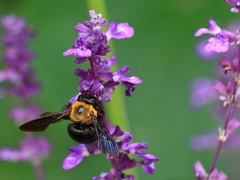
(81, 134)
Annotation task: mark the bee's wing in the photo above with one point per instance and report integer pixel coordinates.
(41, 123)
(106, 143)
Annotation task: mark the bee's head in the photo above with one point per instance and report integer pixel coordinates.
(88, 98)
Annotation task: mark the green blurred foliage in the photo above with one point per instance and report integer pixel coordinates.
(162, 53)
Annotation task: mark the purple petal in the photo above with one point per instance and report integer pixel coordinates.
(213, 29)
(149, 169)
(81, 73)
(125, 162)
(81, 28)
(119, 73)
(10, 154)
(83, 53)
(204, 142)
(97, 18)
(71, 161)
(68, 52)
(119, 31)
(80, 60)
(225, 63)
(199, 170)
(129, 177)
(134, 147)
(25, 114)
(75, 157)
(218, 86)
(202, 92)
(232, 125)
(216, 175)
(216, 45)
(127, 138)
(131, 79)
(73, 99)
(232, 2)
(115, 131)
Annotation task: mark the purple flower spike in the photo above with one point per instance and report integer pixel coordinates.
(119, 31)
(91, 46)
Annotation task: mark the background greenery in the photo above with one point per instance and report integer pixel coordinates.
(162, 53)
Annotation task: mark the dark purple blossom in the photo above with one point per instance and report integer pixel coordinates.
(90, 45)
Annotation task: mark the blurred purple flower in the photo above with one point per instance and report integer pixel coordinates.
(210, 141)
(202, 92)
(202, 53)
(201, 174)
(17, 57)
(119, 31)
(31, 149)
(20, 83)
(25, 114)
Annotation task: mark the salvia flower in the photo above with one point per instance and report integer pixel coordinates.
(91, 45)
(223, 38)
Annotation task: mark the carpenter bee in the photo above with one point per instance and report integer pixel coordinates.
(87, 127)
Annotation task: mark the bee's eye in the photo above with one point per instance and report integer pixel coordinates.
(80, 110)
